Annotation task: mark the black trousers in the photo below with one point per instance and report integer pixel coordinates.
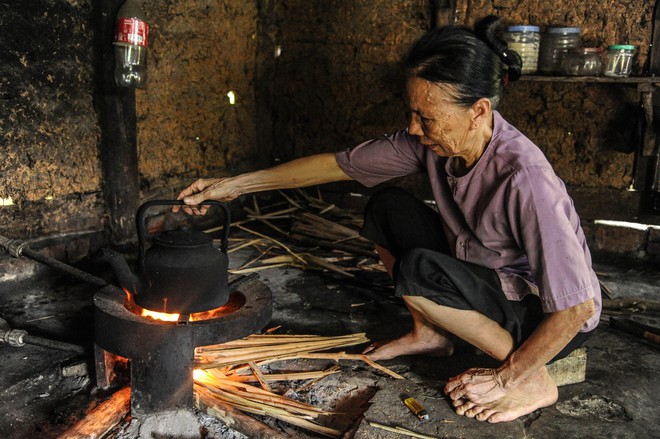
(414, 234)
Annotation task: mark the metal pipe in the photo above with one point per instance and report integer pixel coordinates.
(53, 344)
(20, 337)
(18, 248)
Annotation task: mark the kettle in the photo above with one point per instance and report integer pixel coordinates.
(181, 272)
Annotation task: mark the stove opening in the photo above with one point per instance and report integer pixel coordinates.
(235, 302)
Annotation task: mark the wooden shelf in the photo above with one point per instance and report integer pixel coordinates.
(645, 88)
(593, 79)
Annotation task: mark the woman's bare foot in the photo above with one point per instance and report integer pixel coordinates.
(537, 391)
(426, 341)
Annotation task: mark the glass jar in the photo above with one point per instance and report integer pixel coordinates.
(619, 60)
(555, 44)
(525, 40)
(583, 62)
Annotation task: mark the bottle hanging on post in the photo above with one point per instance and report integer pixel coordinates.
(131, 43)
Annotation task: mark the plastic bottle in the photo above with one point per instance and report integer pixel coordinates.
(131, 44)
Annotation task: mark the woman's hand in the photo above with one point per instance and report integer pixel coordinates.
(219, 189)
(478, 385)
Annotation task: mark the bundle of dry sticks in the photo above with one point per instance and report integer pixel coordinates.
(303, 231)
(223, 373)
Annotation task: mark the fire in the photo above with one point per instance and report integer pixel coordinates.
(160, 315)
(165, 317)
(199, 375)
(228, 308)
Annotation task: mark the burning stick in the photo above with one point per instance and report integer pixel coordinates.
(102, 418)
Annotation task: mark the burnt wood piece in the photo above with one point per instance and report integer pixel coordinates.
(236, 420)
(626, 325)
(117, 120)
(102, 418)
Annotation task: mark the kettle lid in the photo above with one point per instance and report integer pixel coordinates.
(183, 237)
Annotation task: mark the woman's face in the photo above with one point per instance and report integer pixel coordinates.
(440, 124)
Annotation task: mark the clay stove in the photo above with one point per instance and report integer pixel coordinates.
(160, 353)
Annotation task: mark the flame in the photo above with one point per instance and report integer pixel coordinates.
(175, 317)
(130, 304)
(129, 295)
(160, 315)
(199, 374)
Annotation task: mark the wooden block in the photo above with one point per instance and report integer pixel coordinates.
(571, 369)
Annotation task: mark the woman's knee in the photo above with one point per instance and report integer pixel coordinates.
(415, 264)
(384, 201)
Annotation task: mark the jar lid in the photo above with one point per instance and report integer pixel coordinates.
(591, 49)
(621, 47)
(523, 28)
(563, 30)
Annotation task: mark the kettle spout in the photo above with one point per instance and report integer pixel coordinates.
(126, 278)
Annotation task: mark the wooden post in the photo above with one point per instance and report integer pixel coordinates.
(654, 103)
(118, 144)
(443, 12)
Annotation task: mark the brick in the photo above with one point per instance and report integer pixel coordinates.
(653, 243)
(571, 369)
(619, 240)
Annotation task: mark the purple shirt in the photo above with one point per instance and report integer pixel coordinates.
(510, 212)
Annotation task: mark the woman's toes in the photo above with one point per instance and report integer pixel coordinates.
(484, 415)
(458, 402)
(474, 411)
(462, 409)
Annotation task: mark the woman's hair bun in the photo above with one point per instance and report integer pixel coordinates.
(513, 63)
(488, 30)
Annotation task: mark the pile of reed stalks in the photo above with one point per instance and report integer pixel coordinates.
(232, 374)
(304, 232)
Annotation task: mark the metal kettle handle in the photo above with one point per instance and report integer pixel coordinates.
(142, 228)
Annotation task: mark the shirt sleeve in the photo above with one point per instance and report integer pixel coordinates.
(382, 159)
(547, 227)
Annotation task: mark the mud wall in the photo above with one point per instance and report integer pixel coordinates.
(305, 76)
(337, 79)
(198, 113)
(49, 169)
(51, 178)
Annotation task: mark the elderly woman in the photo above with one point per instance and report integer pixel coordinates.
(502, 264)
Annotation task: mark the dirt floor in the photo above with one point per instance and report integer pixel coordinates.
(44, 391)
